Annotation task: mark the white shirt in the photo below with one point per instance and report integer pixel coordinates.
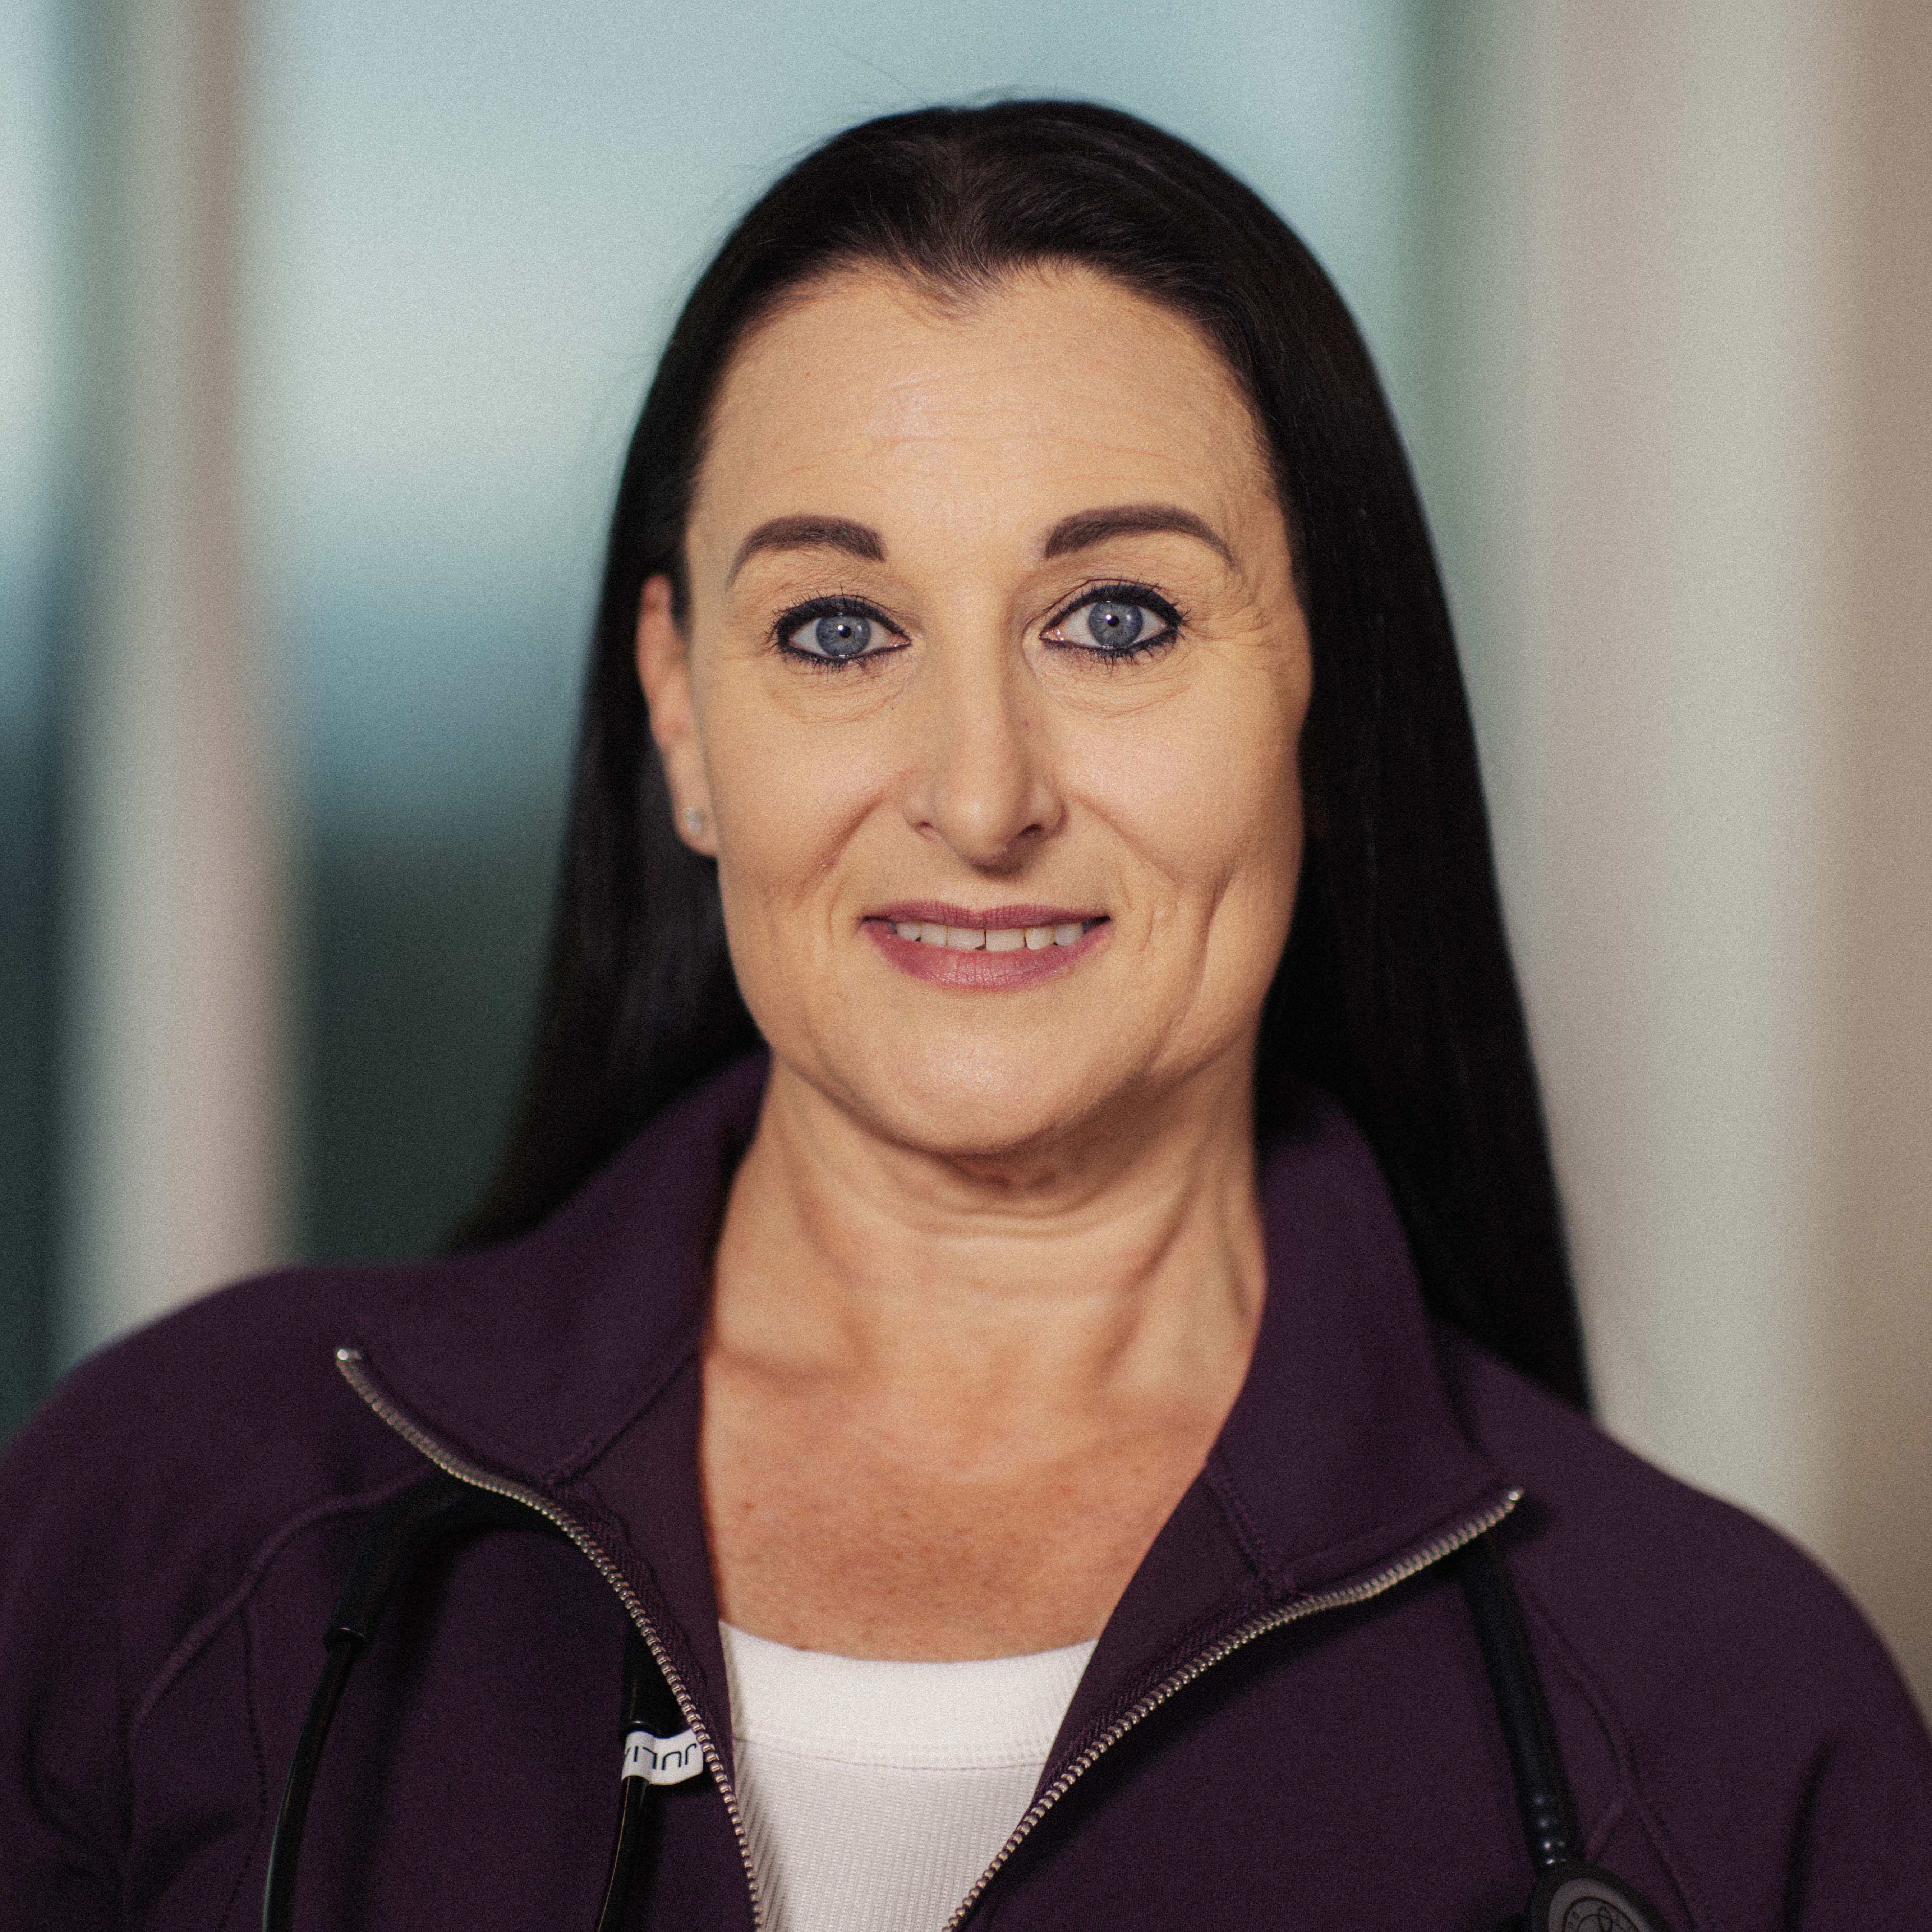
(875, 1794)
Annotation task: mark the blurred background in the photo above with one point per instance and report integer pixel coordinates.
(323, 322)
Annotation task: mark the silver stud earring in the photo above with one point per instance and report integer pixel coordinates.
(694, 820)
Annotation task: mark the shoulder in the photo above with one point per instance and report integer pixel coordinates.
(139, 1509)
(206, 1429)
(1750, 1702)
(232, 1401)
(1618, 1545)
(138, 1497)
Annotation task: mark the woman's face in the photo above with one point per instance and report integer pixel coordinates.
(988, 693)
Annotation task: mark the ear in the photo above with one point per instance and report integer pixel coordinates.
(663, 669)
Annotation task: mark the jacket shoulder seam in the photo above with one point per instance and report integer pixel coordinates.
(1635, 1804)
(205, 1628)
(261, 1768)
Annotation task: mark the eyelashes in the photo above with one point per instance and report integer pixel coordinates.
(1114, 622)
(1116, 625)
(832, 632)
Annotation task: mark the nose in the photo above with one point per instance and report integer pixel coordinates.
(981, 781)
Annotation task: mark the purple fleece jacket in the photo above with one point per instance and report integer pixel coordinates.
(1285, 1722)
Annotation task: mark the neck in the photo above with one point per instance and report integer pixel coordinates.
(1121, 1270)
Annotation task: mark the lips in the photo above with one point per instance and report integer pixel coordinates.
(996, 945)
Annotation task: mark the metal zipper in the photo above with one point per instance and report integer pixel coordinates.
(349, 1361)
(1432, 1551)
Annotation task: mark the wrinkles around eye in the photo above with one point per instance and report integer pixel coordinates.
(796, 634)
(1162, 624)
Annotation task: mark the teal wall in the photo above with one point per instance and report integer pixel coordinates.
(38, 217)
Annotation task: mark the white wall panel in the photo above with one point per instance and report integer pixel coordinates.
(176, 1079)
(1651, 438)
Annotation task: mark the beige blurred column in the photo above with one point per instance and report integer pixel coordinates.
(1879, 1288)
(175, 1103)
(1679, 471)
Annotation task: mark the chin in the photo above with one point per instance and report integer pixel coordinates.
(975, 1099)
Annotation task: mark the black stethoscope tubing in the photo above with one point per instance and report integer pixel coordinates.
(1569, 1895)
(441, 1512)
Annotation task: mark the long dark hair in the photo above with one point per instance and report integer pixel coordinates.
(1395, 992)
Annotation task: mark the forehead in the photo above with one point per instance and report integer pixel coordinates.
(866, 398)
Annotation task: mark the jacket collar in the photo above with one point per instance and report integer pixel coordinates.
(566, 1361)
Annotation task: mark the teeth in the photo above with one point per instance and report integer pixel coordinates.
(991, 939)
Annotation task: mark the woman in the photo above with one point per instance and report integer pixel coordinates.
(1030, 1264)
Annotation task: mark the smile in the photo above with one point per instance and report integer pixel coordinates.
(993, 938)
(1002, 947)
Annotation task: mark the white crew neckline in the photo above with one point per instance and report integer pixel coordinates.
(994, 1712)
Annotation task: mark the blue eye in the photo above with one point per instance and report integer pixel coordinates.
(839, 635)
(1119, 621)
(1114, 625)
(843, 635)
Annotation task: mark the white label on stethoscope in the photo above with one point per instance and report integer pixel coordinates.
(662, 1760)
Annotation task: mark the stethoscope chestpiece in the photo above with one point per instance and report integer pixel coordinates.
(1574, 1897)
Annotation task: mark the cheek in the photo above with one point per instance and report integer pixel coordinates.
(1209, 796)
(786, 792)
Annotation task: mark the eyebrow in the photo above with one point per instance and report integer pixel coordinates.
(1091, 526)
(1080, 531)
(839, 533)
